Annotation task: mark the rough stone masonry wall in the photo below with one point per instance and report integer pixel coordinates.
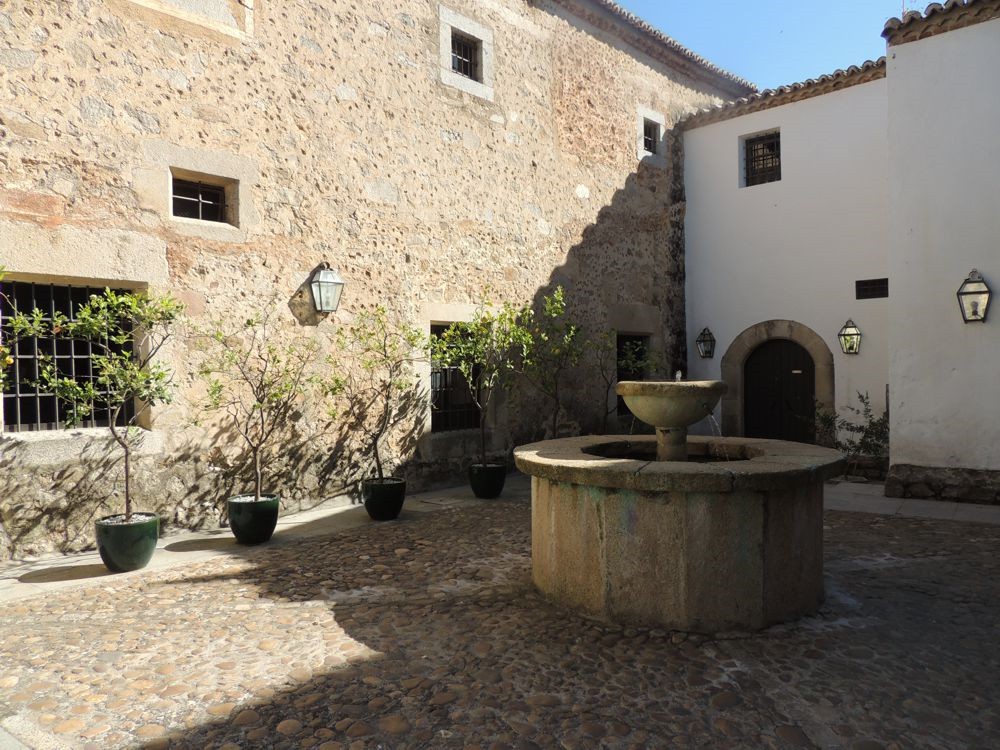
(348, 148)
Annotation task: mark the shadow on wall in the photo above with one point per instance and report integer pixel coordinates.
(53, 506)
(631, 258)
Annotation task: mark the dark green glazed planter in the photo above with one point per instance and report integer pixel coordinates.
(384, 497)
(253, 522)
(127, 546)
(487, 480)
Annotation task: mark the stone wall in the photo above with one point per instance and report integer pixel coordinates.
(334, 131)
(944, 483)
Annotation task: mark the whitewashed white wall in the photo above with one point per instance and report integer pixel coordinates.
(793, 249)
(944, 156)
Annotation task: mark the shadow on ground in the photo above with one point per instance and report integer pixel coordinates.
(453, 648)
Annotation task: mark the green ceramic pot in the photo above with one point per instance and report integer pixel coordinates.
(127, 546)
(253, 522)
(384, 497)
(487, 480)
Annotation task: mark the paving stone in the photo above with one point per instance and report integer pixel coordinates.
(305, 644)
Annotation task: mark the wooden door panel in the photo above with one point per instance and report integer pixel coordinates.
(779, 388)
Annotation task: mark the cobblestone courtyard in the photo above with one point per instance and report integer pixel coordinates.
(426, 633)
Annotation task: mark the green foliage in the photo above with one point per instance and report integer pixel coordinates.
(257, 376)
(383, 391)
(608, 361)
(487, 351)
(109, 322)
(557, 345)
(865, 434)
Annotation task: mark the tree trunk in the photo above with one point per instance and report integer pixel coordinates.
(482, 435)
(258, 475)
(128, 482)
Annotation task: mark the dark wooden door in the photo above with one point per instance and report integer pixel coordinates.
(779, 389)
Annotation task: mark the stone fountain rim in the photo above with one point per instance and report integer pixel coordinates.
(656, 387)
(770, 465)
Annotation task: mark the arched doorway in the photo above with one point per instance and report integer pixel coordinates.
(733, 361)
(779, 382)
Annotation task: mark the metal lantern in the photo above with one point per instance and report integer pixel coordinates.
(326, 289)
(974, 298)
(850, 338)
(706, 344)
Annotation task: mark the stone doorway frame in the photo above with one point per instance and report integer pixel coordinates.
(736, 356)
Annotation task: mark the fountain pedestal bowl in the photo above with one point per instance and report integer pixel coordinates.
(705, 545)
(671, 407)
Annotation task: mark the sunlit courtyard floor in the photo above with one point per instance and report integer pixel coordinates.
(426, 632)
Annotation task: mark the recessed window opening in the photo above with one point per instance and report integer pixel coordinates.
(871, 288)
(650, 136)
(632, 353)
(196, 200)
(465, 56)
(27, 406)
(452, 406)
(763, 159)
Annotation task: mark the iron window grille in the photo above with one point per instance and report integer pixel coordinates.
(27, 406)
(465, 52)
(871, 288)
(763, 159)
(195, 200)
(639, 346)
(650, 136)
(452, 406)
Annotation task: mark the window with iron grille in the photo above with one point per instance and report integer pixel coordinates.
(637, 347)
(195, 200)
(871, 288)
(27, 406)
(763, 159)
(650, 136)
(465, 54)
(452, 407)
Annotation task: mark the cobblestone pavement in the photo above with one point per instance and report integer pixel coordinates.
(426, 633)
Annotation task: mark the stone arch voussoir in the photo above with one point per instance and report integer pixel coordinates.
(741, 347)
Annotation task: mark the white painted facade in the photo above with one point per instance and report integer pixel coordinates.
(792, 249)
(944, 220)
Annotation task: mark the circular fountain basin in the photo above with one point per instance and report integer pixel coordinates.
(671, 404)
(732, 540)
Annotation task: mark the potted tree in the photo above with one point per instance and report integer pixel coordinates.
(486, 350)
(557, 346)
(382, 395)
(126, 331)
(256, 376)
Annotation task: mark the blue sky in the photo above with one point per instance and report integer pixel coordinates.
(774, 42)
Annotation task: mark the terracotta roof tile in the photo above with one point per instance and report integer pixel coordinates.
(938, 18)
(871, 70)
(655, 43)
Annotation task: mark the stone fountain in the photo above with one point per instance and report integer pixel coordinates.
(697, 534)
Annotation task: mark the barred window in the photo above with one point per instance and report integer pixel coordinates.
(452, 407)
(465, 55)
(650, 136)
(27, 406)
(763, 159)
(195, 200)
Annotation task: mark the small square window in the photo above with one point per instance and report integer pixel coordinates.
(466, 53)
(650, 136)
(762, 159)
(871, 288)
(195, 200)
(632, 352)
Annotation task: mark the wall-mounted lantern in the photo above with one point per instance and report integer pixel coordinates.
(850, 338)
(974, 298)
(706, 344)
(327, 287)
